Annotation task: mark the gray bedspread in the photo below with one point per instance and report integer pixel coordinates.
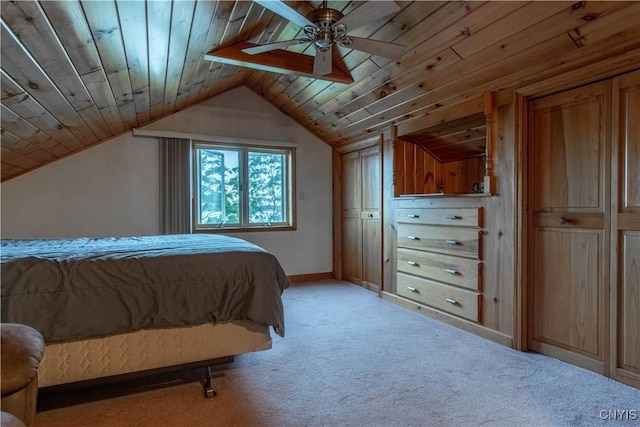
(82, 288)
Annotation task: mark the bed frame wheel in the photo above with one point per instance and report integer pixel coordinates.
(209, 391)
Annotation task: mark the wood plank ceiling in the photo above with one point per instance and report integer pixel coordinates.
(76, 73)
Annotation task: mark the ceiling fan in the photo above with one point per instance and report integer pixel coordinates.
(325, 27)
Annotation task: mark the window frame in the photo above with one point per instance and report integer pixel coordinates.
(243, 150)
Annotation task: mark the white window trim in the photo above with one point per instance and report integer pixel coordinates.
(256, 144)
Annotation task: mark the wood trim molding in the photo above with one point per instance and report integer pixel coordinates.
(520, 303)
(298, 278)
(336, 173)
(606, 68)
(465, 325)
(490, 114)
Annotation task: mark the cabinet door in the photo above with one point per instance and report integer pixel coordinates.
(569, 203)
(626, 229)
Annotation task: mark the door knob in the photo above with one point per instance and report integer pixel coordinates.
(564, 220)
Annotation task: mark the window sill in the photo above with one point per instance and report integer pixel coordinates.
(244, 229)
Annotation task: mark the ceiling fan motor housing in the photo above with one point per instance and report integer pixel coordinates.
(325, 33)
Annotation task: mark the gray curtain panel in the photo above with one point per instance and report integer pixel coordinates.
(175, 187)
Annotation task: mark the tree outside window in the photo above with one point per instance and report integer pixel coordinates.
(243, 187)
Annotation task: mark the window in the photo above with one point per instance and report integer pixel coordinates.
(243, 187)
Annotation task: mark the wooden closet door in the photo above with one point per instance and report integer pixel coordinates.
(625, 317)
(569, 197)
(371, 230)
(351, 217)
(361, 232)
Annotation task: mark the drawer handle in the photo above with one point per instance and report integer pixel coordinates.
(451, 271)
(412, 263)
(413, 216)
(453, 217)
(413, 238)
(451, 242)
(412, 289)
(451, 301)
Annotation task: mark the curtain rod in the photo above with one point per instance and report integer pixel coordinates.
(150, 133)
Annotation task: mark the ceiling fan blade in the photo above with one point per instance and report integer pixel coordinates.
(368, 12)
(376, 47)
(276, 6)
(322, 64)
(273, 46)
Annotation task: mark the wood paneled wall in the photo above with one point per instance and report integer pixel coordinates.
(417, 172)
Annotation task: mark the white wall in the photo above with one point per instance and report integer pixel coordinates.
(112, 189)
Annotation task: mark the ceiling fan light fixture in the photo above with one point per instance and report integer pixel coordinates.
(339, 31)
(311, 31)
(345, 41)
(324, 40)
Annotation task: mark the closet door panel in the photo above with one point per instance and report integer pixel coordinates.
(568, 156)
(568, 292)
(625, 250)
(351, 217)
(629, 346)
(352, 249)
(629, 99)
(569, 189)
(371, 229)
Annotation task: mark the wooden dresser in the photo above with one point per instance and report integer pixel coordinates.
(439, 260)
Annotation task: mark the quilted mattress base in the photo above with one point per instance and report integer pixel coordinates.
(85, 359)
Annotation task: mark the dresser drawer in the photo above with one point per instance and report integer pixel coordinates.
(444, 268)
(453, 300)
(460, 217)
(447, 240)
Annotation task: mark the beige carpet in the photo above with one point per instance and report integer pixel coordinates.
(352, 359)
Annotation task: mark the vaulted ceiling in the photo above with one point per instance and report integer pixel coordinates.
(76, 73)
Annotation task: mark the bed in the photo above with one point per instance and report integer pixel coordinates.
(110, 307)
